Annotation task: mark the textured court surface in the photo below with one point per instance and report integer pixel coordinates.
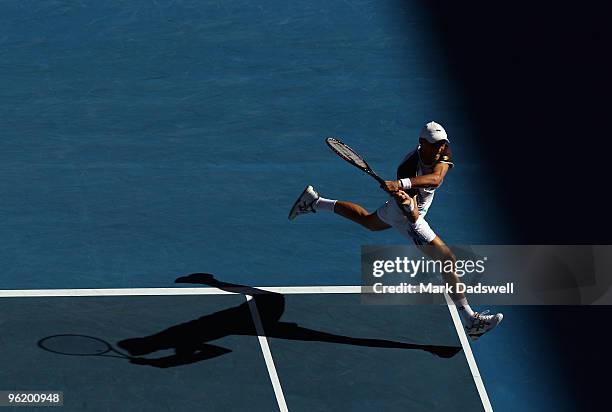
(146, 140)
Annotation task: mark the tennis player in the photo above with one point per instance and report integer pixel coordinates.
(419, 174)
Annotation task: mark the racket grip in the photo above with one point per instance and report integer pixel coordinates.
(379, 179)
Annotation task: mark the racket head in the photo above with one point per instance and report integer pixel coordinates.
(345, 152)
(75, 345)
(348, 154)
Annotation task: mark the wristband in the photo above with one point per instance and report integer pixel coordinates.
(405, 183)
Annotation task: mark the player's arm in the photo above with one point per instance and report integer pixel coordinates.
(433, 179)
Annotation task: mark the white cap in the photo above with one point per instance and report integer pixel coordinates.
(433, 132)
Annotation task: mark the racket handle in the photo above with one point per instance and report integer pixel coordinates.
(378, 179)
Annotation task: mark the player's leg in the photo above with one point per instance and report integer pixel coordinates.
(476, 324)
(311, 202)
(437, 250)
(359, 215)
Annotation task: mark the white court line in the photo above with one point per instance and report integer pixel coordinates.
(468, 354)
(289, 290)
(267, 354)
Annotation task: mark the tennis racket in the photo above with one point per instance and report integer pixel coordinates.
(80, 345)
(354, 158)
(351, 156)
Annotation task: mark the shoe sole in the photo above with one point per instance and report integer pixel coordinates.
(296, 203)
(475, 337)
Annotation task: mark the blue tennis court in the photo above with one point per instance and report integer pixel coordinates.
(148, 140)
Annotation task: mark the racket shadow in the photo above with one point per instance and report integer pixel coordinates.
(85, 345)
(188, 339)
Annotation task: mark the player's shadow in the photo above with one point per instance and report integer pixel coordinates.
(189, 339)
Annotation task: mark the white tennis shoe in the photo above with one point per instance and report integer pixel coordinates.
(304, 204)
(482, 323)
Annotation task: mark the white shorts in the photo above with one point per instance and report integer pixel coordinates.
(420, 232)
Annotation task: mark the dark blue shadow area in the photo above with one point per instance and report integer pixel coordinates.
(201, 352)
(191, 339)
(522, 364)
(109, 383)
(372, 378)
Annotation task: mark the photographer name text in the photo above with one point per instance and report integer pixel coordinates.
(419, 288)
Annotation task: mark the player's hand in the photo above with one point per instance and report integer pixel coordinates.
(404, 200)
(401, 197)
(391, 186)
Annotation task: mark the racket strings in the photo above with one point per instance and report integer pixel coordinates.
(347, 153)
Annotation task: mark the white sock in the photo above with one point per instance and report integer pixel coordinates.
(465, 311)
(324, 204)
